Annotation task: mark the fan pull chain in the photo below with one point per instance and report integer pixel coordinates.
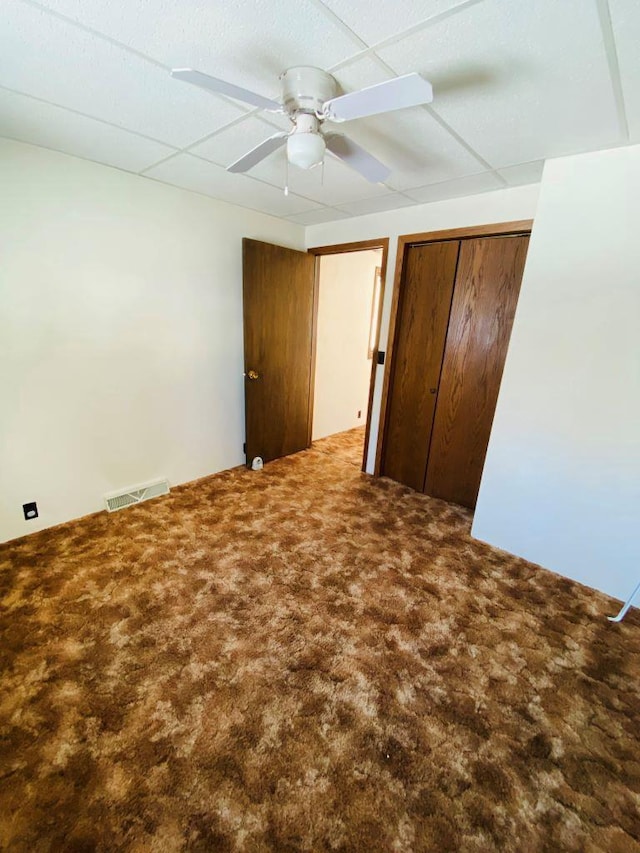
(286, 175)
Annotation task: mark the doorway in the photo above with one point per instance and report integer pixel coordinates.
(348, 302)
(349, 286)
(280, 318)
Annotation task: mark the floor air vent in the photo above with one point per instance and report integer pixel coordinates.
(135, 495)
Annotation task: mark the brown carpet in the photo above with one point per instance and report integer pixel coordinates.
(304, 658)
(347, 446)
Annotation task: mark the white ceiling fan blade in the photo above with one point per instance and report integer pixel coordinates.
(221, 87)
(406, 91)
(253, 157)
(356, 157)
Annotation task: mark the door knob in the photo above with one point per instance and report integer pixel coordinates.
(253, 374)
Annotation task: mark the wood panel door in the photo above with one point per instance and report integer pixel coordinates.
(423, 315)
(278, 302)
(484, 303)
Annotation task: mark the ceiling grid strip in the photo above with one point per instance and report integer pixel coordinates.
(72, 22)
(224, 201)
(115, 43)
(259, 181)
(91, 117)
(604, 16)
(412, 30)
(335, 19)
(447, 127)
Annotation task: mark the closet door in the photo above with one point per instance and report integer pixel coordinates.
(423, 315)
(484, 302)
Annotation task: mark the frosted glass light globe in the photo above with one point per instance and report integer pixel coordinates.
(305, 149)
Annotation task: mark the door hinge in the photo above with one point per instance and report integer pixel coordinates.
(380, 356)
(244, 448)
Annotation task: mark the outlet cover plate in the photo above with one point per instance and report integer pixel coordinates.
(30, 511)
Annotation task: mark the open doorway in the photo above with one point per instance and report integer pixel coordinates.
(349, 291)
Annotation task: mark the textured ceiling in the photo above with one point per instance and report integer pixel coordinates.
(515, 82)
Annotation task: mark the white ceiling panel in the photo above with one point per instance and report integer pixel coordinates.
(411, 142)
(230, 144)
(49, 126)
(315, 217)
(248, 42)
(376, 20)
(377, 205)
(471, 185)
(413, 145)
(361, 73)
(332, 185)
(192, 173)
(50, 59)
(519, 80)
(625, 20)
(516, 82)
(524, 173)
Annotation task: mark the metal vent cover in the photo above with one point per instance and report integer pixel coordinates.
(135, 495)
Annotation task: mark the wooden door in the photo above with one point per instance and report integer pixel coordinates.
(484, 302)
(278, 299)
(423, 314)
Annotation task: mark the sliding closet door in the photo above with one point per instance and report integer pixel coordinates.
(423, 315)
(484, 302)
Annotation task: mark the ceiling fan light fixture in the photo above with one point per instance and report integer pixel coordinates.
(305, 150)
(309, 99)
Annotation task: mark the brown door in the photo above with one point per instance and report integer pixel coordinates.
(278, 298)
(423, 314)
(484, 302)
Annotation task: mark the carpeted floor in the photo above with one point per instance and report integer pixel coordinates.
(305, 658)
(347, 446)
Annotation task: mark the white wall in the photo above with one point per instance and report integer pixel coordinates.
(500, 206)
(561, 484)
(121, 347)
(343, 370)
(120, 333)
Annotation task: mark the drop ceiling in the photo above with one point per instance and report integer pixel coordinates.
(515, 82)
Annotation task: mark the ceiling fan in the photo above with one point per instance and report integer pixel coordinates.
(309, 99)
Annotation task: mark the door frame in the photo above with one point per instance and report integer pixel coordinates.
(498, 229)
(340, 249)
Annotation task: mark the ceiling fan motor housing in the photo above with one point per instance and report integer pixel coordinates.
(306, 89)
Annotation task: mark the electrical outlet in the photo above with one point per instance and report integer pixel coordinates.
(30, 511)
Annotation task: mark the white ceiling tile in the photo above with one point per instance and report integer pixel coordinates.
(315, 217)
(520, 81)
(336, 184)
(360, 74)
(410, 142)
(374, 20)
(43, 124)
(198, 175)
(230, 144)
(413, 145)
(278, 121)
(471, 185)
(625, 20)
(523, 173)
(393, 201)
(248, 42)
(50, 59)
